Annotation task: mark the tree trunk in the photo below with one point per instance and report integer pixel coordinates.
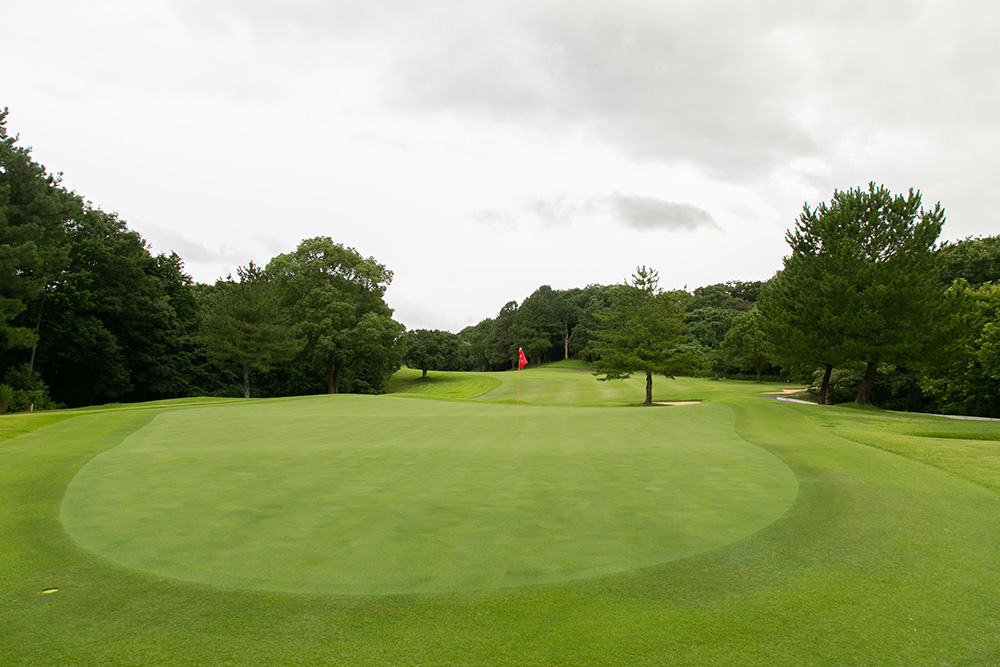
(566, 342)
(824, 387)
(329, 375)
(38, 327)
(864, 396)
(649, 388)
(424, 376)
(246, 381)
(760, 367)
(337, 368)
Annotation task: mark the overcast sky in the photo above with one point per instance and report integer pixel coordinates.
(480, 150)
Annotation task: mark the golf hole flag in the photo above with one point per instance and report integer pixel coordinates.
(522, 361)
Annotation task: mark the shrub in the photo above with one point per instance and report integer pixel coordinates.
(6, 397)
(28, 390)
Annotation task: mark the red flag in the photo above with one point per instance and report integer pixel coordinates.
(521, 359)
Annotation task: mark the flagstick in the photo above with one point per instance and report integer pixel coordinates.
(517, 403)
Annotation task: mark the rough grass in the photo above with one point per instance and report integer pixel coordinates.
(883, 559)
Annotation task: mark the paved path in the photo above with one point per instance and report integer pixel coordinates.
(929, 414)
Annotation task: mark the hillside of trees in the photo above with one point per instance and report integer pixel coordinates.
(868, 306)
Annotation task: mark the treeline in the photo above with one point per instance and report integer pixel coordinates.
(551, 325)
(867, 307)
(88, 315)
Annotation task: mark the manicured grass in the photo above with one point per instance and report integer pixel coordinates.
(439, 384)
(882, 559)
(578, 387)
(362, 495)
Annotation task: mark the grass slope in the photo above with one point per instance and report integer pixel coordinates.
(886, 557)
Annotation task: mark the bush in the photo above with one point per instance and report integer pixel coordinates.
(28, 390)
(6, 397)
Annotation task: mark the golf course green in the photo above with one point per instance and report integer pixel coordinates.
(539, 518)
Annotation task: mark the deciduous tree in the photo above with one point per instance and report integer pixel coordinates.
(745, 344)
(432, 349)
(329, 289)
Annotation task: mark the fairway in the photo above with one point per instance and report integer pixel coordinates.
(362, 495)
(426, 528)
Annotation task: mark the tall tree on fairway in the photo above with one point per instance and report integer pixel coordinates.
(863, 269)
(641, 331)
(244, 324)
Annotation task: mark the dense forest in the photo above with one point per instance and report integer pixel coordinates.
(868, 307)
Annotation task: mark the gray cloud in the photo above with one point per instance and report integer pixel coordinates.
(739, 91)
(637, 212)
(649, 213)
(167, 241)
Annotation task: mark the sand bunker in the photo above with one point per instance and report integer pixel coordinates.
(676, 402)
(787, 391)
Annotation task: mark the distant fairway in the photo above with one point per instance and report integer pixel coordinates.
(424, 528)
(569, 386)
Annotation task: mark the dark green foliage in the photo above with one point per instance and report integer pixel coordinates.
(591, 300)
(433, 349)
(110, 331)
(974, 260)
(746, 291)
(710, 313)
(745, 345)
(7, 397)
(34, 209)
(245, 324)
(642, 331)
(964, 377)
(895, 388)
(499, 344)
(537, 326)
(708, 325)
(725, 296)
(476, 339)
(859, 285)
(334, 296)
(24, 390)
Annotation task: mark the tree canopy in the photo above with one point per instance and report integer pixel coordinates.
(433, 349)
(335, 297)
(246, 325)
(860, 282)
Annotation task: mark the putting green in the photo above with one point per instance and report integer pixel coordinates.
(383, 495)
